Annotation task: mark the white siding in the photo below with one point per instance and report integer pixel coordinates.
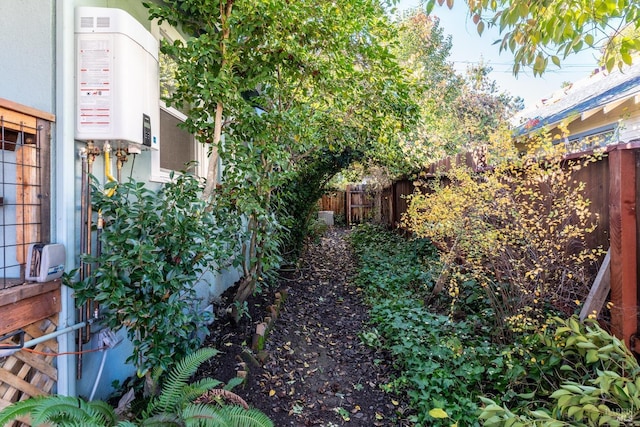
(27, 35)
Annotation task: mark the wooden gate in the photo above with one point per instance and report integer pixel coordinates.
(359, 204)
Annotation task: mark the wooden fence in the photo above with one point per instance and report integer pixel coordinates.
(612, 184)
(596, 176)
(355, 205)
(394, 202)
(359, 204)
(623, 204)
(334, 201)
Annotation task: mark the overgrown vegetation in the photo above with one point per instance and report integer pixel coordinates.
(518, 230)
(301, 90)
(178, 403)
(154, 247)
(297, 202)
(583, 377)
(445, 360)
(456, 369)
(458, 112)
(293, 87)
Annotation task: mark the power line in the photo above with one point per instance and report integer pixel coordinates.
(510, 64)
(491, 63)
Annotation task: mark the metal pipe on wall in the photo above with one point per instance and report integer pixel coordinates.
(121, 155)
(86, 312)
(83, 204)
(83, 152)
(54, 334)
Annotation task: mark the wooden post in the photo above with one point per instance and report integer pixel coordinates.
(394, 206)
(599, 290)
(623, 236)
(347, 211)
(27, 197)
(377, 206)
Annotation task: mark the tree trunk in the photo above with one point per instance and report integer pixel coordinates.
(245, 290)
(247, 285)
(212, 170)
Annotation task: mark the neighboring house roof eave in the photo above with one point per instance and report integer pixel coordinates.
(589, 98)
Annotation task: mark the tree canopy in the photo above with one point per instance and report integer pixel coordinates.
(539, 31)
(291, 85)
(302, 89)
(457, 112)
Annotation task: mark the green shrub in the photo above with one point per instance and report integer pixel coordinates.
(317, 229)
(444, 362)
(154, 247)
(580, 375)
(453, 364)
(519, 231)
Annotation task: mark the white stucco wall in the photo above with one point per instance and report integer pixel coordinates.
(37, 58)
(27, 56)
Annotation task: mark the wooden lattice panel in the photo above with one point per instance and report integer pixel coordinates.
(25, 374)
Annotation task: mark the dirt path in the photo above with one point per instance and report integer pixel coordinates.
(317, 372)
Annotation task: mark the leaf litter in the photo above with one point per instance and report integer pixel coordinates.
(317, 372)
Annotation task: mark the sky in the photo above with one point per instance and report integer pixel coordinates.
(469, 48)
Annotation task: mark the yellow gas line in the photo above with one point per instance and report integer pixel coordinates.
(107, 168)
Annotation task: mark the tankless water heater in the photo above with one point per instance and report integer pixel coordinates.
(117, 83)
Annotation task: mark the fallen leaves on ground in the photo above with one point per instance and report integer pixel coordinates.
(317, 372)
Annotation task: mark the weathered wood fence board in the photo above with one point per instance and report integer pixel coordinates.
(401, 191)
(334, 201)
(354, 205)
(623, 217)
(359, 204)
(596, 178)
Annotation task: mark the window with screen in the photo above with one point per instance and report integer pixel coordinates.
(179, 150)
(593, 138)
(178, 147)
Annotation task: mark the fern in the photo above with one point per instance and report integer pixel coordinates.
(64, 410)
(240, 417)
(163, 420)
(235, 381)
(17, 410)
(198, 388)
(227, 416)
(172, 408)
(202, 415)
(105, 411)
(73, 424)
(172, 395)
(215, 395)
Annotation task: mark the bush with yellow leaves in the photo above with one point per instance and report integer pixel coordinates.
(518, 229)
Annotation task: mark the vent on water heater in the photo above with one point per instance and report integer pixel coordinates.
(117, 84)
